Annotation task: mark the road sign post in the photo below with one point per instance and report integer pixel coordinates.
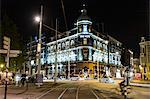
(10, 53)
(6, 46)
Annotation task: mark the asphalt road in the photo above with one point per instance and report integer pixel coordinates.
(72, 90)
(77, 90)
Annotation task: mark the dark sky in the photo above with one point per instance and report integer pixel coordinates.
(125, 20)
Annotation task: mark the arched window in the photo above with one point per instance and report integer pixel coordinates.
(72, 43)
(94, 43)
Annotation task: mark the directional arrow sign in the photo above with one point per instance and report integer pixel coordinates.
(15, 52)
(13, 55)
(11, 51)
(3, 51)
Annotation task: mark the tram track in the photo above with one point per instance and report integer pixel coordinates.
(71, 91)
(48, 91)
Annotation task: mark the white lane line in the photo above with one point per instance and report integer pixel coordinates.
(95, 94)
(62, 93)
(77, 93)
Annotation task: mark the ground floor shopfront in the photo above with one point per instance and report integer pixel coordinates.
(85, 69)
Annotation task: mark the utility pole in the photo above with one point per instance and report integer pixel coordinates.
(69, 60)
(55, 78)
(39, 43)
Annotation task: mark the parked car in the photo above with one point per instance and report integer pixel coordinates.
(74, 77)
(107, 79)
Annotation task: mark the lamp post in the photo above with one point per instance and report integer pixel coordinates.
(38, 61)
(39, 19)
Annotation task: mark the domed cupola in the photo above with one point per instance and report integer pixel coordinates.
(84, 23)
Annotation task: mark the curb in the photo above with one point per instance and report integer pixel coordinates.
(140, 85)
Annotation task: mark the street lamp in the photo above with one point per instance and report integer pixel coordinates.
(38, 61)
(39, 19)
(1, 65)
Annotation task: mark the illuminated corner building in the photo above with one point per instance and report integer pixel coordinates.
(83, 49)
(145, 57)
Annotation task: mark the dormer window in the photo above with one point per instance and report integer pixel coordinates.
(84, 23)
(84, 28)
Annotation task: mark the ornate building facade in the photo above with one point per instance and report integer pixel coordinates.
(82, 51)
(145, 57)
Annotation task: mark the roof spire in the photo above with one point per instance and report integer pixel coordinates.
(83, 15)
(84, 11)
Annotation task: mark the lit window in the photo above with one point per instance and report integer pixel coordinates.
(72, 42)
(85, 41)
(84, 28)
(94, 43)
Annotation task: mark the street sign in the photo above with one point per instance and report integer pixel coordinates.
(13, 55)
(15, 52)
(3, 51)
(11, 51)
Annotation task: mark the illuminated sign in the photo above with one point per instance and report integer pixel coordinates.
(84, 36)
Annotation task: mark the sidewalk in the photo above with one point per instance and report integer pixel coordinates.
(138, 83)
(141, 81)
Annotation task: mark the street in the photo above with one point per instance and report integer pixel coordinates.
(90, 89)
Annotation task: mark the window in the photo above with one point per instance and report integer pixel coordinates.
(84, 28)
(72, 43)
(94, 43)
(63, 45)
(98, 44)
(59, 46)
(85, 41)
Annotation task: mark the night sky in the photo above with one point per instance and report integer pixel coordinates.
(125, 20)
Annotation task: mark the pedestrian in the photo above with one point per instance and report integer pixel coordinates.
(23, 79)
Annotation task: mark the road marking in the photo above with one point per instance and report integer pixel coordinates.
(77, 93)
(95, 94)
(62, 93)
